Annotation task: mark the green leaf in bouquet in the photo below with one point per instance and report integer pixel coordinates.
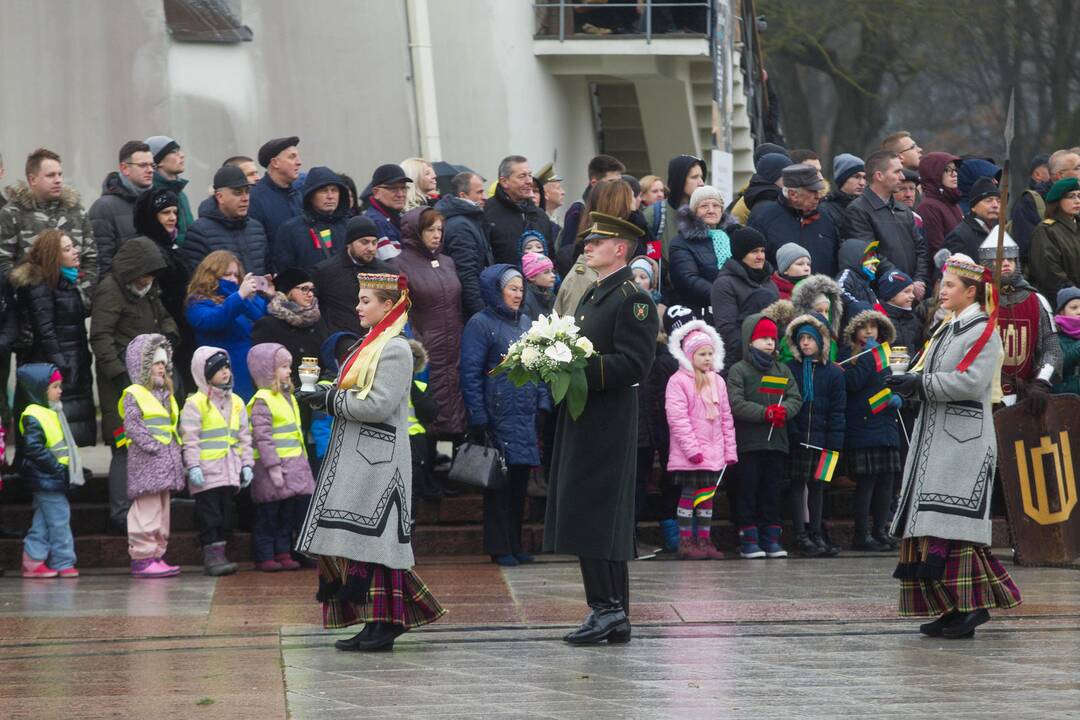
(519, 375)
(560, 383)
(577, 393)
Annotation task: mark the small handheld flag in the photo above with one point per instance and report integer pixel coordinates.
(880, 401)
(120, 437)
(881, 356)
(773, 385)
(704, 495)
(826, 465)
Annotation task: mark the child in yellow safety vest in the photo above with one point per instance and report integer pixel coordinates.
(283, 481)
(217, 453)
(48, 465)
(154, 467)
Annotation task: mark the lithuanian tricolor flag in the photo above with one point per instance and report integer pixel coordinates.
(773, 385)
(881, 356)
(704, 495)
(880, 401)
(826, 465)
(120, 437)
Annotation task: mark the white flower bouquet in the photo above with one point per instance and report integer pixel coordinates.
(551, 352)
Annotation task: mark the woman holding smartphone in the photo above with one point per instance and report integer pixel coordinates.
(223, 304)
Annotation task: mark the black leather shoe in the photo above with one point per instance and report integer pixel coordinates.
(934, 627)
(868, 544)
(380, 638)
(883, 538)
(603, 624)
(351, 643)
(964, 625)
(807, 547)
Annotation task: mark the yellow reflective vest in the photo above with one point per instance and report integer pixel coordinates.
(54, 432)
(161, 424)
(216, 437)
(415, 428)
(288, 436)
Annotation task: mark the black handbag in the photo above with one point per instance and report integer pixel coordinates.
(478, 465)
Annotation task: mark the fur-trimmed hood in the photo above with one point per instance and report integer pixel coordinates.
(20, 195)
(679, 334)
(886, 331)
(26, 275)
(140, 356)
(694, 229)
(802, 297)
(818, 322)
(781, 312)
(420, 356)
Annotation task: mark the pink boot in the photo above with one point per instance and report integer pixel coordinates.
(268, 566)
(174, 569)
(286, 561)
(151, 568)
(32, 568)
(71, 572)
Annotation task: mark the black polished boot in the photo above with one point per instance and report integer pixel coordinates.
(806, 547)
(883, 537)
(381, 638)
(360, 637)
(934, 627)
(604, 623)
(964, 625)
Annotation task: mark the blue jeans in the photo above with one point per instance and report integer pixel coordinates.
(49, 539)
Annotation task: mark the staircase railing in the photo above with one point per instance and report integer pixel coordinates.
(556, 18)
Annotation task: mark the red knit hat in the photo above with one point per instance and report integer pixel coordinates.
(765, 328)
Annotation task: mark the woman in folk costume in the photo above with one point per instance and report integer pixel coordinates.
(946, 568)
(360, 519)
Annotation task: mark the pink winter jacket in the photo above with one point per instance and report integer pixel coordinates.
(691, 431)
(216, 473)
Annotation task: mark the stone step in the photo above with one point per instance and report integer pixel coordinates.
(428, 541)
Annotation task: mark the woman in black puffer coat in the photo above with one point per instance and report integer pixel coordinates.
(52, 318)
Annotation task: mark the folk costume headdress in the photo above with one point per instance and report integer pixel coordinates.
(358, 370)
(964, 267)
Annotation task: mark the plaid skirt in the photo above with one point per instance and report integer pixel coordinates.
(802, 463)
(873, 462)
(939, 576)
(353, 592)
(695, 479)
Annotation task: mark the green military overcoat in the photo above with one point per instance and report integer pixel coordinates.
(590, 506)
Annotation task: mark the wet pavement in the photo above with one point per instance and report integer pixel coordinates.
(783, 639)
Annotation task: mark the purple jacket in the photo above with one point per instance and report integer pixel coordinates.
(276, 478)
(151, 466)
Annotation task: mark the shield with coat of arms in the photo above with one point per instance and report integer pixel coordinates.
(641, 310)
(1038, 457)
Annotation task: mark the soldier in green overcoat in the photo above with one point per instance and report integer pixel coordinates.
(590, 508)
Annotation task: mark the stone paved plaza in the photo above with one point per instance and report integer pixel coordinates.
(738, 639)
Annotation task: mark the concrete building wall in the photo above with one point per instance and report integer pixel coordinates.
(83, 76)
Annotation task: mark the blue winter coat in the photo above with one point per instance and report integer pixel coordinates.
(227, 325)
(39, 470)
(292, 245)
(243, 237)
(509, 412)
(822, 419)
(465, 240)
(782, 224)
(273, 205)
(389, 231)
(864, 428)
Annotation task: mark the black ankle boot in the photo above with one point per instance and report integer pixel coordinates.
(866, 543)
(806, 547)
(934, 627)
(360, 637)
(380, 638)
(964, 625)
(607, 623)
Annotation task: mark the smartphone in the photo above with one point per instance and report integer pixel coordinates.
(261, 283)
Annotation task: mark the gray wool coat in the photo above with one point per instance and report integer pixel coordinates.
(361, 508)
(949, 473)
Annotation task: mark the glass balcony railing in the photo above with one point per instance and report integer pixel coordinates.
(581, 19)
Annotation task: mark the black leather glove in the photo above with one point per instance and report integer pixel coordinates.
(1036, 395)
(316, 399)
(908, 385)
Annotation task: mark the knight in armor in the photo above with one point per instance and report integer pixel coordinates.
(1028, 333)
